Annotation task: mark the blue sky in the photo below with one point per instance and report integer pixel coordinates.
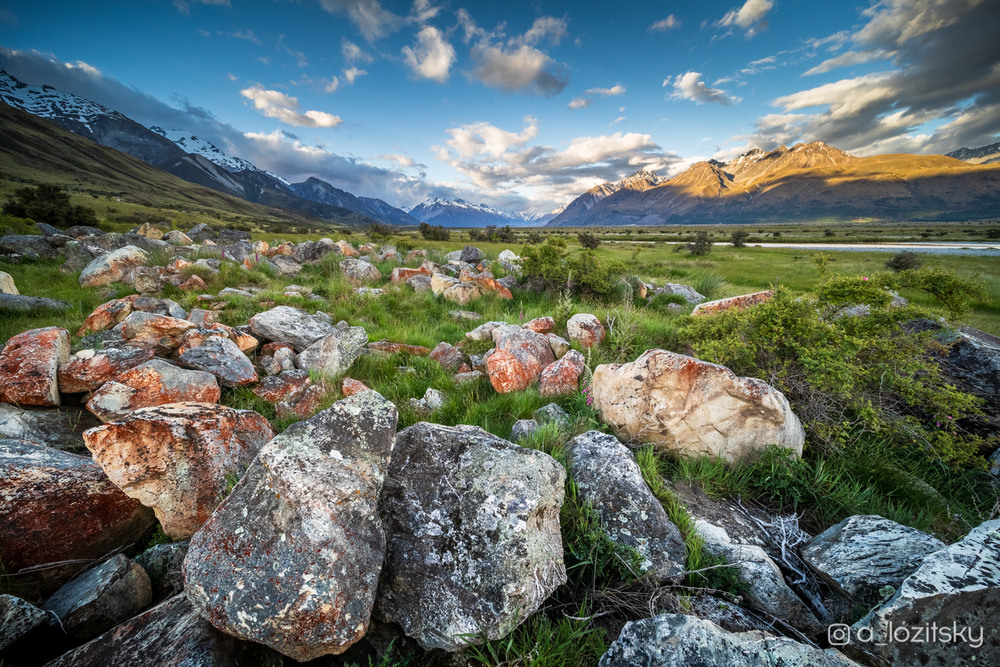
(521, 104)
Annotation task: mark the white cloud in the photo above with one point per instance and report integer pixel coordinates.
(515, 63)
(372, 20)
(663, 25)
(332, 85)
(353, 53)
(613, 91)
(423, 11)
(689, 86)
(486, 139)
(403, 161)
(749, 17)
(275, 104)
(580, 103)
(352, 73)
(432, 57)
(848, 59)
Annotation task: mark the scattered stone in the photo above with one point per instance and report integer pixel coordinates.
(139, 324)
(60, 507)
(222, 358)
(346, 249)
(449, 356)
(560, 346)
(296, 327)
(465, 315)
(389, 347)
(29, 365)
(510, 261)
(310, 252)
(232, 291)
(518, 360)
(286, 266)
(18, 618)
(523, 429)
(29, 246)
(542, 325)
(177, 237)
(955, 589)
(19, 303)
(194, 283)
(358, 271)
(156, 382)
(585, 329)
(676, 640)
(484, 331)
(88, 369)
(61, 428)
(292, 558)
(350, 387)
(420, 283)
(694, 408)
(176, 458)
(108, 315)
(552, 413)
(469, 376)
(7, 285)
(689, 294)
(115, 266)
(863, 554)
(562, 377)
(172, 634)
(286, 386)
(369, 291)
(738, 302)
(147, 279)
(432, 400)
(474, 545)
(471, 255)
(334, 354)
(401, 275)
(162, 564)
(200, 317)
(608, 477)
(101, 598)
(306, 405)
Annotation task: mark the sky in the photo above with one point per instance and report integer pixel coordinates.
(522, 105)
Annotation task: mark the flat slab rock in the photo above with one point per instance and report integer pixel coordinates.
(155, 382)
(61, 428)
(17, 618)
(284, 324)
(29, 364)
(172, 634)
(676, 640)
(474, 544)
(608, 477)
(291, 558)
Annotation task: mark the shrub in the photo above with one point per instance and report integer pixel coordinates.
(48, 204)
(588, 240)
(701, 245)
(956, 294)
(739, 238)
(435, 233)
(595, 277)
(904, 261)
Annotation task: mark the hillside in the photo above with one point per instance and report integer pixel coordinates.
(807, 181)
(34, 150)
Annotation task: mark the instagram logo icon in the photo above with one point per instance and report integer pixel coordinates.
(839, 634)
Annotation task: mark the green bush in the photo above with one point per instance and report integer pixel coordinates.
(434, 233)
(904, 261)
(739, 238)
(48, 204)
(955, 293)
(588, 240)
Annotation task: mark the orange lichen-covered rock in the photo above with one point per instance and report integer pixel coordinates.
(562, 377)
(156, 382)
(286, 386)
(401, 274)
(108, 315)
(87, 370)
(741, 302)
(392, 348)
(29, 365)
(350, 387)
(116, 265)
(193, 283)
(141, 324)
(585, 329)
(510, 372)
(176, 458)
(542, 325)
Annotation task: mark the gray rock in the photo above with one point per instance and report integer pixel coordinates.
(675, 640)
(956, 589)
(420, 283)
(484, 331)
(523, 429)
(17, 618)
(233, 291)
(689, 293)
(334, 354)
(465, 315)
(114, 266)
(471, 376)
(222, 358)
(510, 261)
(449, 356)
(172, 634)
(209, 265)
(608, 477)
(82, 231)
(474, 545)
(19, 303)
(61, 428)
(291, 558)
(310, 252)
(286, 266)
(202, 232)
(358, 271)
(552, 413)
(101, 598)
(471, 255)
(7, 285)
(284, 324)
(432, 400)
(162, 563)
(510, 281)
(28, 246)
(862, 554)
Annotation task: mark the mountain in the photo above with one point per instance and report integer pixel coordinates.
(806, 181)
(320, 191)
(191, 143)
(460, 213)
(982, 155)
(579, 209)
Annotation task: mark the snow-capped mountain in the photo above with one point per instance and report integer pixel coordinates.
(318, 190)
(388, 213)
(460, 213)
(982, 155)
(191, 143)
(578, 209)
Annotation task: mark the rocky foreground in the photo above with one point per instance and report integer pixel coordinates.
(293, 546)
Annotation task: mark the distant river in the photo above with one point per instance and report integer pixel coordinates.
(988, 249)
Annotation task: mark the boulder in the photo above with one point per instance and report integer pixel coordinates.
(359, 272)
(61, 507)
(449, 356)
(350, 387)
(286, 386)
(523, 429)
(676, 640)
(305, 405)
(388, 347)
(346, 249)
(310, 252)
(552, 413)
(177, 237)
(156, 382)
(689, 294)
(147, 279)
(954, 597)
(61, 428)
(180, 459)
(114, 266)
(27, 245)
(17, 619)
(461, 293)
(863, 554)
(431, 401)
(108, 315)
(87, 370)
(485, 282)
(334, 354)
(971, 359)
(29, 364)
(542, 325)
(562, 377)
(202, 232)
(471, 255)
(171, 634)
(194, 283)
(101, 598)
(608, 477)
(694, 408)
(286, 266)
(140, 324)
(585, 329)
(401, 275)
(7, 285)
(222, 358)
(162, 564)
(560, 346)
(510, 261)
(19, 303)
(296, 327)
(291, 558)
(741, 302)
(420, 283)
(518, 359)
(474, 545)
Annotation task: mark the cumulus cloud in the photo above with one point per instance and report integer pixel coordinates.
(689, 86)
(592, 93)
(750, 17)
(431, 57)
(351, 74)
(423, 11)
(663, 25)
(516, 64)
(495, 160)
(939, 89)
(275, 104)
(353, 53)
(370, 17)
(580, 102)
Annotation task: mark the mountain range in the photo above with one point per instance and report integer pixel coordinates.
(460, 213)
(811, 181)
(982, 155)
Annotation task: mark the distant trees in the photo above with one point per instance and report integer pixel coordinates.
(49, 204)
(904, 261)
(493, 233)
(588, 240)
(434, 233)
(701, 245)
(739, 238)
